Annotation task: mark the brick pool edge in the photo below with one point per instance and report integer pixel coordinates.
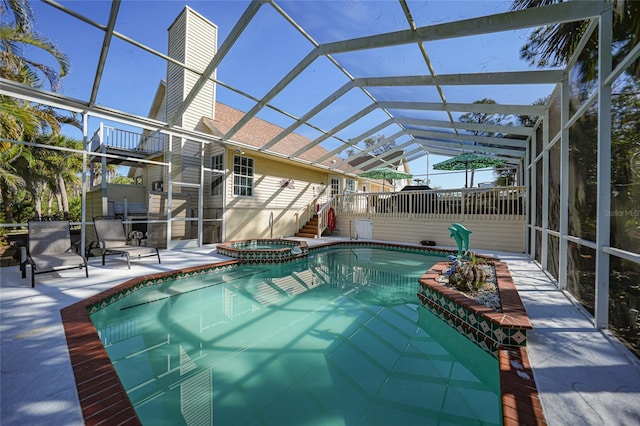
(503, 334)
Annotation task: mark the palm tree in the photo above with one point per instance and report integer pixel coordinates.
(22, 13)
(54, 170)
(21, 120)
(15, 36)
(553, 45)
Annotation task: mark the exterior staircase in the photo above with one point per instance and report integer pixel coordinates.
(310, 229)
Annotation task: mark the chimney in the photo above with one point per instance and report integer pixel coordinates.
(193, 40)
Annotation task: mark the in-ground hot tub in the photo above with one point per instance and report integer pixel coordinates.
(265, 250)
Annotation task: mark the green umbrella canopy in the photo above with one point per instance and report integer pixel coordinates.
(468, 160)
(384, 173)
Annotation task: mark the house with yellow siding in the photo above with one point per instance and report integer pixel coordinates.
(262, 183)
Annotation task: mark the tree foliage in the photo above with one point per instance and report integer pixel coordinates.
(24, 166)
(553, 45)
(373, 141)
(484, 118)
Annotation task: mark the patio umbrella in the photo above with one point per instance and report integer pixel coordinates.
(466, 161)
(384, 173)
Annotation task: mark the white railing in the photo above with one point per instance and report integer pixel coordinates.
(499, 203)
(323, 214)
(128, 141)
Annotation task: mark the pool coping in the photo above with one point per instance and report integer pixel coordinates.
(519, 394)
(487, 327)
(103, 398)
(278, 255)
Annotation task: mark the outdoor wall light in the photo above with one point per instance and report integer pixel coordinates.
(239, 151)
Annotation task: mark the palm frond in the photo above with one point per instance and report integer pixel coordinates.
(22, 13)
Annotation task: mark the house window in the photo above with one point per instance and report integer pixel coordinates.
(350, 185)
(217, 162)
(243, 171)
(157, 186)
(216, 185)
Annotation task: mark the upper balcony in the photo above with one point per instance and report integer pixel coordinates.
(110, 140)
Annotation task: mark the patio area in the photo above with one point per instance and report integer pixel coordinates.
(584, 376)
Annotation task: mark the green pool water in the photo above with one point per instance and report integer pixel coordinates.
(334, 339)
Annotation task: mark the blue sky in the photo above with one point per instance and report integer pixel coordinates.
(269, 49)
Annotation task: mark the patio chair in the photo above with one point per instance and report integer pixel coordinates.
(113, 240)
(50, 249)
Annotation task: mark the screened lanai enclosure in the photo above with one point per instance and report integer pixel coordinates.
(229, 120)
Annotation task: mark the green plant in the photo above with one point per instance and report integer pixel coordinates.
(468, 275)
(3, 232)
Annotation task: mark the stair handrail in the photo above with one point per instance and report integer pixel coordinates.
(323, 214)
(309, 210)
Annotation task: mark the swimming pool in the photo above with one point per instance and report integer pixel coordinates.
(335, 338)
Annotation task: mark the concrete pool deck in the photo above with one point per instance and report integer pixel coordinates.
(584, 376)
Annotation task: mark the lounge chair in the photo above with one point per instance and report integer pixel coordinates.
(50, 249)
(113, 240)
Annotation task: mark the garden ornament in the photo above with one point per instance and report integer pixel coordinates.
(464, 234)
(457, 238)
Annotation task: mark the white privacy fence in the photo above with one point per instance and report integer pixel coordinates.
(500, 203)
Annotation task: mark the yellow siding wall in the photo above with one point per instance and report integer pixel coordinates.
(175, 73)
(248, 217)
(505, 235)
(115, 193)
(153, 174)
(179, 230)
(201, 46)
(133, 193)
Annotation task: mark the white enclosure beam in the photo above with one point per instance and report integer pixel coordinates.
(355, 140)
(315, 110)
(492, 140)
(470, 148)
(369, 149)
(603, 219)
(355, 117)
(474, 127)
(106, 42)
(475, 79)
(291, 75)
(475, 107)
(514, 20)
(385, 159)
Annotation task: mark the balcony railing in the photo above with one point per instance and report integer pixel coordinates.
(124, 140)
(499, 203)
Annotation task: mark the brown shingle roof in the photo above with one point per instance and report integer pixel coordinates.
(258, 132)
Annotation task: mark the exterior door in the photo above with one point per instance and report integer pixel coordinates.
(335, 185)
